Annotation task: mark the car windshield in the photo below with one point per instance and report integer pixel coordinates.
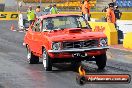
(63, 22)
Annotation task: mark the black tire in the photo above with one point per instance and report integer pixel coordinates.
(75, 65)
(32, 59)
(47, 62)
(101, 61)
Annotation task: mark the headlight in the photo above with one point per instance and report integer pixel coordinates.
(56, 46)
(103, 42)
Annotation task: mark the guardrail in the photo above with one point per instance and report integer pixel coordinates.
(9, 15)
(127, 43)
(108, 29)
(97, 15)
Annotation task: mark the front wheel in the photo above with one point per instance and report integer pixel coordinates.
(32, 59)
(47, 62)
(101, 61)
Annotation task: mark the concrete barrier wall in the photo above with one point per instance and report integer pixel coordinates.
(9, 15)
(124, 25)
(127, 42)
(108, 29)
(97, 15)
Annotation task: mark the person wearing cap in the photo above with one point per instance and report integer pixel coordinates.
(117, 13)
(86, 10)
(110, 14)
(54, 10)
(31, 15)
(38, 12)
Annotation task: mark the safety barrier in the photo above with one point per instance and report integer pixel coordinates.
(97, 15)
(108, 29)
(123, 26)
(126, 16)
(9, 15)
(127, 43)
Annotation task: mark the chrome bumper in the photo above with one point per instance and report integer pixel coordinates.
(76, 50)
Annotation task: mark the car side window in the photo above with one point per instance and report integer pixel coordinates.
(36, 26)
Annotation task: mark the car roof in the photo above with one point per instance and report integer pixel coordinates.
(56, 15)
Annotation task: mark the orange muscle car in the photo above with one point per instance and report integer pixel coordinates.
(64, 38)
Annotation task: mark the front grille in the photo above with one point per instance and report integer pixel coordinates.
(80, 44)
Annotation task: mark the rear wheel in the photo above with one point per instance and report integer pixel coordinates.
(101, 61)
(47, 62)
(32, 59)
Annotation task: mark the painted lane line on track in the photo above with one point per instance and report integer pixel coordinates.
(121, 49)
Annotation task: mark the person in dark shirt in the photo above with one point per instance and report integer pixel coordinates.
(117, 13)
(118, 16)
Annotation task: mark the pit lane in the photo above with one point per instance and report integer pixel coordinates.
(15, 72)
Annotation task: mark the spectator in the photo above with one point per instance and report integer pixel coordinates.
(86, 10)
(110, 14)
(117, 13)
(47, 9)
(31, 15)
(82, 7)
(20, 21)
(38, 12)
(54, 10)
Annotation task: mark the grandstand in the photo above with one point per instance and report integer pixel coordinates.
(63, 4)
(43, 1)
(124, 3)
(73, 5)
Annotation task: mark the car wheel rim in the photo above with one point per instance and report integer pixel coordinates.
(28, 55)
(44, 59)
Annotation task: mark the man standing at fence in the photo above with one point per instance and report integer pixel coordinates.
(31, 15)
(54, 10)
(110, 14)
(86, 10)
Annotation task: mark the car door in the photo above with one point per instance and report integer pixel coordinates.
(36, 37)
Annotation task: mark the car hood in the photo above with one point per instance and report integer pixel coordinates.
(73, 34)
